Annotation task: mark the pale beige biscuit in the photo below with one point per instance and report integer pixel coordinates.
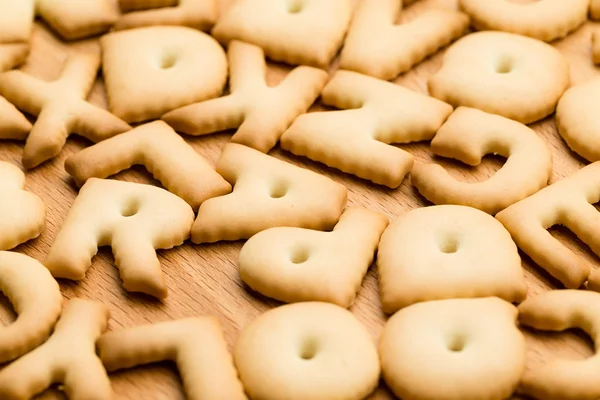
(377, 46)
(67, 358)
(502, 73)
(545, 20)
(356, 140)
(198, 14)
(134, 219)
(307, 351)
(470, 134)
(456, 349)
(295, 264)
(22, 213)
(134, 5)
(596, 46)
(196, 345)
(16, 21)
(76, 19)
(267, 193)
(296, 31)
(563, 379)
(162, 151)
(60, 106)
(150, 71)
(35, 297)
(443, 252)
(567, 202)
(595, 9)
(578, 121)
(259, 112)
(13, 124)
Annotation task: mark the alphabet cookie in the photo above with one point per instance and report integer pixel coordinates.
(295, 264)
(443, 252)
(356, 140)
(307, 350)
(196, 345)
(60, 106)
(577, 120)
(502, 73)
(150, 71)
(67, 358)
(467, 349)
(558, 310)
(467, 136)
(376, 46)
(267, 193)
(567, 202)
(22, 213)
(546, 20)
(35, 296)
(198, 14)
(295, 32)
(260, 113)
(134, 219)
(162, 151)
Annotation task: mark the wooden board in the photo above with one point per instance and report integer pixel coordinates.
(203, 279)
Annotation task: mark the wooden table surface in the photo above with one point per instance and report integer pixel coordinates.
(204, 279)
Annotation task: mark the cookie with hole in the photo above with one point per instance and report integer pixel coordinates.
(567, 202)
(295, 264)
(557, 311)
(357, 139)
(546, 20)
(454, 349)
(197, 14)
(267, 193)
(448, 251)
(259, 112)
(196, 345)
(291, 31)
(134, 219)
(470, 134)
(150, 71)
(377, 46)
(502, 73)
(68, 358)
(162, 151)
(308, 350)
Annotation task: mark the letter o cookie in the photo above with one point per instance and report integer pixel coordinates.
(457, 349)
(502, 73)
(307, 351)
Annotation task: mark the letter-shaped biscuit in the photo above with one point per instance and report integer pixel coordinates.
(267, 193)
(355, 140)
(295, 264)
(502, 73)
(376, 46)
(558, 310)
(196, 345)
(578, 121)
(76, 19)
(467, 136)
(36, 298)
(22, 214)
(294, 31)
(198, 14)
(68, 357)
(60, 107)
(134, 219)
(150, 71)
(545, 20)
(567, 202)
(456, 349)
(16, 20)
(259, 112)
(162, 151)
(443, 252)
(13, 124)
(308, 350)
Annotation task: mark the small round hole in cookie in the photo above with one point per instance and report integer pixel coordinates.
(299, 255)
(168, 61)
(457, 343)
(278, 190)
(294, 6)
(309, 348)
(504, 66)
(449, 246)
(130, 209)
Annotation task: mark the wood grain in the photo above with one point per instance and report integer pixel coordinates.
(203, 279)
